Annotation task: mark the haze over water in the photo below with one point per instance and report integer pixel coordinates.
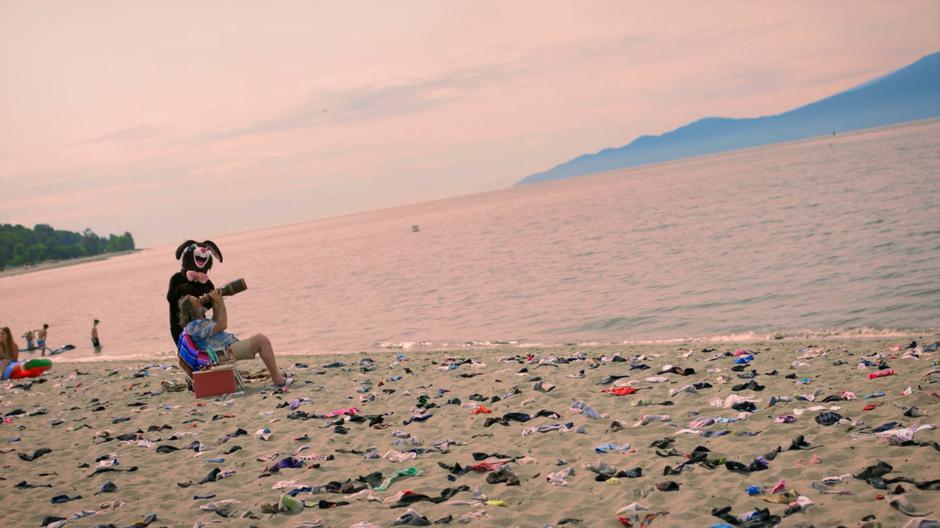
(829, 235)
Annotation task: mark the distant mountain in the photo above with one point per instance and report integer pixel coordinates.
(908, 94)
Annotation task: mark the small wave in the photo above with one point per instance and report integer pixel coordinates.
(859, 332)
(863, 332)
(607, 324)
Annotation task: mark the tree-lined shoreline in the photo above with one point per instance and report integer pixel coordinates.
(21, 246)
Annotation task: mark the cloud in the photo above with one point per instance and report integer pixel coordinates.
(76, 205)
(24, 186)
(128, 135)
(379, 101)
(365, 103)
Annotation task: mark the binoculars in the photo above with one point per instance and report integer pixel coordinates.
(236, 286)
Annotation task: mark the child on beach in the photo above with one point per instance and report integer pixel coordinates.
(41, 338)
(210, 334)
(30, 341)
(95, 343)
(9, 350)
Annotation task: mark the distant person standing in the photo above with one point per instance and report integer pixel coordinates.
(94, 336)
(30, 340)
(41, 338)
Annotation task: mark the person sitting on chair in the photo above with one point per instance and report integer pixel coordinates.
(209, 334)
(9, 350)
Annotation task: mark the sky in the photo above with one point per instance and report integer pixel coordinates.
(188, 120)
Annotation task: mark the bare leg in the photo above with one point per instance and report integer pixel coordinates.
(261, 345)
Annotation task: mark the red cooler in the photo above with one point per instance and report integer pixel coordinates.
(217, 381)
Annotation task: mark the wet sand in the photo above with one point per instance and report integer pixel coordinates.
(113, 421)
(53, 264)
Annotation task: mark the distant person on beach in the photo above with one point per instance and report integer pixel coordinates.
(41, 338)
(95, 343)
(30, 340)
(209, 334)
(9, 350)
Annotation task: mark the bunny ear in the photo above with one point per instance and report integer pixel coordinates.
(182, 247)
(213, 248)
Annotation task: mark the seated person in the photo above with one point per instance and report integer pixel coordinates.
(9, 350)
(210, 334)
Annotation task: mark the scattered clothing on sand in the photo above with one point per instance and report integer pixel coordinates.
(507, 437)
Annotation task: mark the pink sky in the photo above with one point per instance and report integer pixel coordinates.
(178, 120)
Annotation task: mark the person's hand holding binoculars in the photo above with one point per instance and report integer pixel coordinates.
(236, 286)
(211, 299)
(215, 296)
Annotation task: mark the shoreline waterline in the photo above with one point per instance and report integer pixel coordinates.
(928, 336)
(56, 264)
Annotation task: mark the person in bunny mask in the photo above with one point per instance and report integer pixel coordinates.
(193, 279)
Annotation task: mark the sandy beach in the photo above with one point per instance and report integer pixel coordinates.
(508, 437)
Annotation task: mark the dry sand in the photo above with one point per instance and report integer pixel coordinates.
(82, 416)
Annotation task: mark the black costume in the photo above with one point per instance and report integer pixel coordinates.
(192, 279)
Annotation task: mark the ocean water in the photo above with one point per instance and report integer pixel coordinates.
(837, 235)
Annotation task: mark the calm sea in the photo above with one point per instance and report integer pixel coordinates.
(835, 235)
